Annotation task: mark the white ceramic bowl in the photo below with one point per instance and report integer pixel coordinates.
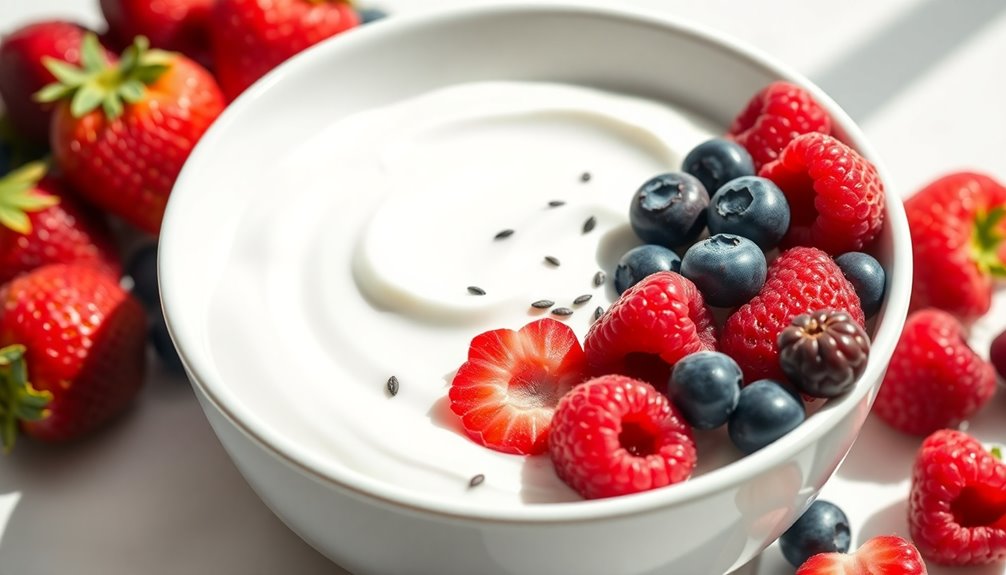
(711, 524)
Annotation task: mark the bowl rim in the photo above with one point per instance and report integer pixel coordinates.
(893, 313)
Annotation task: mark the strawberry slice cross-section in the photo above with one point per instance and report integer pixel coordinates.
(506, 393)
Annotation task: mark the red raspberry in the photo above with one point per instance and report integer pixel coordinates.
(883, 555)
(836, 198)
(507, 390)
(776, 115)
(934, 379)
(801, 280)
(649, 328)
(615, 435)
(958, 235)
(957, 506)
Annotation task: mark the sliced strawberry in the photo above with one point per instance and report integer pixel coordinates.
(883, 555)
(506, 393)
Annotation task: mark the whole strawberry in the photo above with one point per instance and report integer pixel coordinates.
(955, 510)
(180, 25)
(22, 72)
(958, 226)
(40, 223)
(83, 342)
(122, 132)
(835, 195)
(251, 37)
(801, 280)
(935, 379)
(774, 116)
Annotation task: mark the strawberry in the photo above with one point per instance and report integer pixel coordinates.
(251, 37)
(180, 25)
(835, 196)
(22, 72)
(79, 339)
(615, 435)
(882, 555)
(958, 225)
(997, 354)
(773, 117)
(957, 505)
(506, 392)
(41, 224)
(649, 328)
(121, 133)
(934, 379)
(801, 280)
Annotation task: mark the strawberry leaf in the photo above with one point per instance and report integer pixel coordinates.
(19, 400)
(91, 54)
(18, 197)
(987, 240)
(65, 72)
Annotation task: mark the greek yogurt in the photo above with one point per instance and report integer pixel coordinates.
(359, 254)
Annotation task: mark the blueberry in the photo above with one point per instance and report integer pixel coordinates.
(865, 274)
(368, 15)
(823, 528)
(752, 207)
(705, 387)
(669, 210)
(729, 270)
(142, 268)
(765, 412)
(642, 261)
(6, 159)
(718, 161)
(161, 340)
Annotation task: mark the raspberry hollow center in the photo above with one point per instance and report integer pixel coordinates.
(647, 367)
(638, 438)
(980, 505)
(533, 387)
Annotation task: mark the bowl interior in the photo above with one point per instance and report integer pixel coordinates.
(240, 163)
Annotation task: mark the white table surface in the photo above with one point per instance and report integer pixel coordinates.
(155, 494)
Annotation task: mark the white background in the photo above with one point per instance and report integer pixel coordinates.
(156, 494)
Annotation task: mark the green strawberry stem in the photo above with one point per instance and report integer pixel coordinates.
(99, 83)
(18, 197)
(19, 401)
(987, 241)
(997, 452)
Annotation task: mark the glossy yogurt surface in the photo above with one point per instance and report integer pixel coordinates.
(358, 254)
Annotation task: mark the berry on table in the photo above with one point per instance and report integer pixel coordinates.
(934, 379)
(997, 354)
(882, 555)
(867, 276)
(615, 435)
(824, 353)
(800, 280)
(642, 261)
(823, 528)
(774, 116)
(957, 501)
(506, 392)
(766, 411)
(649, 328)
(368, 15)
(163, 346)
(717, 161)
(142, 269)
(669, 210)
(836, 197)
(729, 270)
(750, 207)
(705, 387)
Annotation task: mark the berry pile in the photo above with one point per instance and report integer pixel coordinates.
(118, 113)
(657, 366)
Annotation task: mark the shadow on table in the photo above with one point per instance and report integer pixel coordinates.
(154, 493)
(881, 454)
(872, 73)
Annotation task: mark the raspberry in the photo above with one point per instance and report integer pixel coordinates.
(801, 280)
(616, 435)
(773, 117)
(957, 506)
(649, 328)
(507, 390)
(934, 379)
(835, 196)
(957, 238)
